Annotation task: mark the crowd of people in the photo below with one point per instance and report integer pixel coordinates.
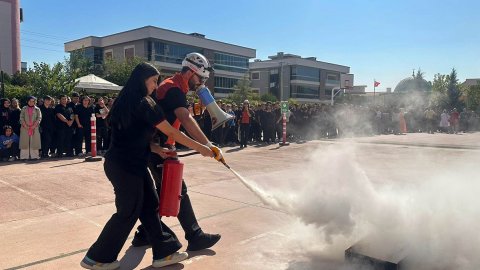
(316, 121)
(50, 127)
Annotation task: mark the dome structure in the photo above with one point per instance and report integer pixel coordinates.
(413, 84)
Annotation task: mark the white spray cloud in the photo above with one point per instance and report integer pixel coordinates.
(437, 219)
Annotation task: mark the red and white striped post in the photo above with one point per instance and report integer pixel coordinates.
(93, 150)
(284, 108)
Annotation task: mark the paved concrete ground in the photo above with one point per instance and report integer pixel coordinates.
(52, 211)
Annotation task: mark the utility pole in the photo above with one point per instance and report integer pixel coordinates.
(281, 81)
(3, 84)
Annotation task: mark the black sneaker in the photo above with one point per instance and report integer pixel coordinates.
(140, 240)
(203, 241)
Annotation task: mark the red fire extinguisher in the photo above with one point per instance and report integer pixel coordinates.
(171, 191)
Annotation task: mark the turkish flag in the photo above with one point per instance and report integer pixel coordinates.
(376, 83)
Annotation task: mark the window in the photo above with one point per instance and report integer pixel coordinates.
(129, 52)
(305, 73)
(304, 91)
(225, 85)
(172, 53)
(255, 75)
(231, 63)
(109, 54)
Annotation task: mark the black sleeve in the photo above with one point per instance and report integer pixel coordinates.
(151, 112)
(58, 109)
(176, 99)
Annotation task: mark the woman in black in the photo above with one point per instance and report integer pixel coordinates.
(133, 119)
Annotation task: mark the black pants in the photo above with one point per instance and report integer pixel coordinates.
(244, 134)
(102, 138)
(85, 134)
(64, 141)
(186, 216)
(46, 137)
(269, 133)
(77, 140)
(13, 151)
(135, 198)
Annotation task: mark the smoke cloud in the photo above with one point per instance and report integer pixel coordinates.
(433, 215)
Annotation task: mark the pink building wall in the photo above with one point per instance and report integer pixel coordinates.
(14, 50)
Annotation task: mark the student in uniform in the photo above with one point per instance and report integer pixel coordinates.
(134, 118)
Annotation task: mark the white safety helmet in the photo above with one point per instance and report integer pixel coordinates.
(198, 64)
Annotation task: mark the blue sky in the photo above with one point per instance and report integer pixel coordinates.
(379, 39)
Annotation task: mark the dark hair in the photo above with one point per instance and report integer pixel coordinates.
(2, 101)
(84, 97)
(132, 93)
(62, 96)
(75, 94)
(47, 98)
(7, 127)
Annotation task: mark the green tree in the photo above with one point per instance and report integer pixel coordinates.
(453, 91)
(439, 98)
(268, 97)
(18, 92)
(50, 80)
(118, 72)
(472, 96)
(243, 91)
(77, 65)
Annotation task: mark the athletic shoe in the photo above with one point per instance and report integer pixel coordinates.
(170, 259)
(140, 239)
(203, 241)
(88, 263)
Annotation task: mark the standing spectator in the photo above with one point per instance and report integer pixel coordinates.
(430, 120)
(454, 120)
(5, 112)
(464, 116)
(444, 121)
(47, 126)
(230, 126)
(8, 144)
(268, 124)
(101, 112)
(109, 128)
(15, 115)
(245, 120)
(76, 137)
(83, 111)
(401, 121)
(65, 120)
(255, 130)
(30, 118)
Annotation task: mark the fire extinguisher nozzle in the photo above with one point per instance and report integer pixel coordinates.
(224, 163)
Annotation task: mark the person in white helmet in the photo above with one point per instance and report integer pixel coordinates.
(171, 96)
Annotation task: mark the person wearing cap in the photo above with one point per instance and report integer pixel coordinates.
(171, 96)
(30, 118)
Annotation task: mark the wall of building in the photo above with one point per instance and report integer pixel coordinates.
(10, 36)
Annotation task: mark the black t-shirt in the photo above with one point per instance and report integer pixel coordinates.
(84, 115)
(100, 120)
(67, 112)
(174, 98)
(48, 117)
(130, 146)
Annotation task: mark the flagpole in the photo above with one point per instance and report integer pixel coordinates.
(374, 83)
